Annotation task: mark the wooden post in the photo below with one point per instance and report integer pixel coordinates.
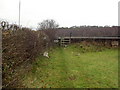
(70, 37)
(62, 39)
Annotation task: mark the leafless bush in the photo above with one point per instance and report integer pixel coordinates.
(4, 25)
(23, 45)
(50, 34)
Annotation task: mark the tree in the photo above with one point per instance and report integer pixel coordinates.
(47, 24)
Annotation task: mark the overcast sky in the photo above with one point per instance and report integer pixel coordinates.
(66, 12)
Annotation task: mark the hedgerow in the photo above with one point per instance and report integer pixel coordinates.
(17, 47)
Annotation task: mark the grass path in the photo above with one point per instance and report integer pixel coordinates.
(71, 68)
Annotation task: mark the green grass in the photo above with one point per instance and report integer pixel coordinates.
(75, 67)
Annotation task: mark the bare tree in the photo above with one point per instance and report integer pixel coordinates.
(47, 24)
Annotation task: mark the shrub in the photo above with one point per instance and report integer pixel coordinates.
(17, 47)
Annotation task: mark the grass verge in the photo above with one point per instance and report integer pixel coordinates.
(75, 66)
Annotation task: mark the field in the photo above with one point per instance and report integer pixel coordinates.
(75, 66)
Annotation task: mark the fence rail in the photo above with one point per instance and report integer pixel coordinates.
(91, 37)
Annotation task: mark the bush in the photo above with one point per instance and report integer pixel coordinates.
(17, 47)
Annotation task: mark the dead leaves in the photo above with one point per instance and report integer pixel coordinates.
(72, 77)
